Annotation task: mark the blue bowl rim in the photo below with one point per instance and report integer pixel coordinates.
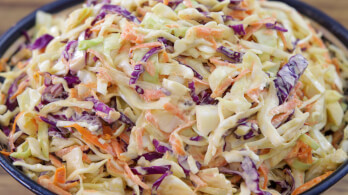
(15, 32)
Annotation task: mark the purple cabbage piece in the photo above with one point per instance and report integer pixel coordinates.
(6, 130)
(236, 57)
(151, 52)
(160, 148)
(139, 90)
(193, 94)
(41, 42)
(206, 98)
(158, 182)
(100, 16)
(288, 76)
(138, 70)
(195, 73)
(275, 26)
(182, 161)
(69, 50)
(120, 10)
(196, 138)
(227, 18)
(12, 104)
(100, 106)
(72, 80)
(238, 29)
(250, 176)
(168, 44)
(54, 132)
(150, 156)
(151, 170)
(53, 93)
(287, 187)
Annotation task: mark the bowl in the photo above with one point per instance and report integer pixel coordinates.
(332, 30)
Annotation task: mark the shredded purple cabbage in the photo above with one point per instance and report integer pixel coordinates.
(288, 76)
(12, 103)
(151, 170)
(151, 52)
(236, 57)
(287, 187)
(100, 16)
(120, 10)
(158, 182)
(72, 80)
(139, 90)
(150, 156)
(168, 44)
(160, 147)
(69, 50)
(238, 29)
(53, 93)
(6, 130)
(196, 138)
(41, 42)
(275, 26)
(193, 94)
(227, 18)
(91, 2)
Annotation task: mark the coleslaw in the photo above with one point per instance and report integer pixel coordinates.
(175, 97)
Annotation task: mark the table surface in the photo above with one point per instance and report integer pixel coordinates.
(13, 10)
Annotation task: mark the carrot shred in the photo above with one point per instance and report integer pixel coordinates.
(5, 153)
(175, 111)
(134, 178)
(124, 137)
(21, 87)
(152, 94)
(175, 142)
(65, 151)
(198, 181)
(282, 37)
(93, 139)
(199, 81)
(60, 175)
(302, 151)
(139, 137)
(117, 148)
(130, 34)
(68, 186)
(11, 138)
(145, 45)
(55, 162)
(45, 182)
(250, 30)
(217, 61)
(264, 171)
(311, 183)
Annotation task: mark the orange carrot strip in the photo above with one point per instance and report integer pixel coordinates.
(68, 186)
(124, 137)
(110, 166)
(199, 81)
(311, 183)
(45, 182)
(139, 137)
(165, 2)
(5, 153)
(217, 61)
(117, 148)
(175, 142)
(250, 30)
(282, 37)
(152, 94)
(93, 139)
(11, 138)
(264, 171)
(175, 111)
(55, 162)
(145, 45)
(130, 34)
(65, 151)
(134, 178)
(60, 175)
(198, 181)
(21, 87)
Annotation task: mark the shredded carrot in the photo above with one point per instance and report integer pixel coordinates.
(165, 57)
(175, 111)
(45, 182)
(5, 153)
(68, 186)
(117, 148)
(198, 181)
(150, 68)
(145, 45)
(282, 37)
(209, 34)
(264, 171)
(177, 143)
(125, 137)
(65, 151)
(55, 162)
(93, 139)
(60, 175)
(90, 85)
(217, 61)
(152, 94)
(336, 63)
(110, 167)
(21, 87)
(22, 65)
(199, 81)
(311, 183)
(321, 44)
(130, 34)
(134, 178)
(250, 30)
(85, 158)
(11, 138)
(139, 137)
(302, 151)
(254, 94)
(165, 2)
